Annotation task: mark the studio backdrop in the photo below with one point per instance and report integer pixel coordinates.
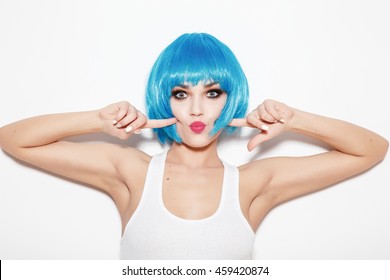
(327, 57)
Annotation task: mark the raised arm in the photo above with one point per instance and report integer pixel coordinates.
(39, 141)
(353, 150)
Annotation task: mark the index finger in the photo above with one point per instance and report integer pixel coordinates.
(240, 123)
(158, 123)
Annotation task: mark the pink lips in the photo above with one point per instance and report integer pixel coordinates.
(197, 127)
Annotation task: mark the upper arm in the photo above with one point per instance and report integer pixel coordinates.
(94, 164)
(292, 177)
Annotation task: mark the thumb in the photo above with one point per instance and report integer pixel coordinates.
(158, 123)
(257, 140)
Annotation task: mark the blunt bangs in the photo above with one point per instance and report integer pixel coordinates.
(190, 59)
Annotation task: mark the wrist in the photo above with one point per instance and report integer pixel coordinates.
(81, 123)
(97, 121)
(296, 120)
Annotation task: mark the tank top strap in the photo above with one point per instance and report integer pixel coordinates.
(231, 190)
(153, 180)
(232, 195)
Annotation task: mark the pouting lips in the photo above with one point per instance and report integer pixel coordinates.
(197, 127)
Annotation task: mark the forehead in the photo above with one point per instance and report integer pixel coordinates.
(201, 83)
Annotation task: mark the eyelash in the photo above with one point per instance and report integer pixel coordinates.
(175, 93)
(219, 92)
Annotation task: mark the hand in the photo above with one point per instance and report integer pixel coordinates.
(271, 117)
(122, 119)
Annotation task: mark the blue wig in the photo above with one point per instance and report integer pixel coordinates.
(194, 58)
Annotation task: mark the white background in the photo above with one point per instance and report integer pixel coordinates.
(328, 57)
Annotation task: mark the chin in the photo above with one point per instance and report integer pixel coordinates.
(196, 146)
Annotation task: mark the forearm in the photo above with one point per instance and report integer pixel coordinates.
(46, 129)
(340, 135)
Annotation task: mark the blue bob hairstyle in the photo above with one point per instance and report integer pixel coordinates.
(194, 58)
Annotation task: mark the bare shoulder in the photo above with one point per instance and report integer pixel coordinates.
(255, 199)
(257, 178)
(254, 178)
(131, 165)
(256, 175)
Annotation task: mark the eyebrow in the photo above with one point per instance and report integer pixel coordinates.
(211, 84)
(206, 85)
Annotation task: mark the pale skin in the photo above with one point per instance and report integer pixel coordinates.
(193, 172)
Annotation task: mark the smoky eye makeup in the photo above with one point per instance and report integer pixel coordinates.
(211, 91)
(179, 93)
(214, 93)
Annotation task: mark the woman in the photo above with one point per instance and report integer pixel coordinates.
(186, 203)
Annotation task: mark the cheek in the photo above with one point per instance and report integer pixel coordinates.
(174, 109)
(216, 109)
(178, 114)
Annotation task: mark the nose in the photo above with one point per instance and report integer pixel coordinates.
(196, 106)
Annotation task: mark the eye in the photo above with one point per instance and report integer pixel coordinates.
(215, 93)
(178, 94)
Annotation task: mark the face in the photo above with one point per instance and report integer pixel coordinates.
(196, 109)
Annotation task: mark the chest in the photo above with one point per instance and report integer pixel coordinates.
(192, 193)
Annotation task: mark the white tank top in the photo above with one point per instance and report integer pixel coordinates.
(155, 233)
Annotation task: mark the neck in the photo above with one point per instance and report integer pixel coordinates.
(194, 157)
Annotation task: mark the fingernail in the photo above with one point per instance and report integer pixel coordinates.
(114, 122)
(128, 129)
(138, 131)
(264, 127)
(281, 120)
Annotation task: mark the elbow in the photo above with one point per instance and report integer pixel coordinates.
(381, 149)
(2, 138)
(375, 152)
(8, 145)
(385, 148)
